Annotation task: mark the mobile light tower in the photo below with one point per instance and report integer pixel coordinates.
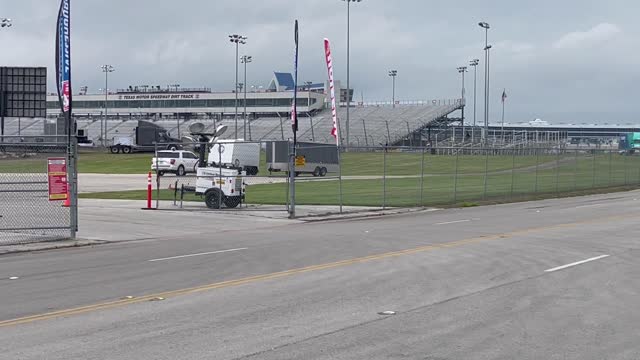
(238, 40)
(393, 74)
(462, 70)
(245, 59)
(348, 61)
(308, 84)
(106, 69)
(486, 28)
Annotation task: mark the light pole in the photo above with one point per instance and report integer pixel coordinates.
(245, 60)
(106, 69)
(462, 70)
(309, 83)
(348, 61)
(474, 63)
(486, 28)
(393, 74)
(237, 39)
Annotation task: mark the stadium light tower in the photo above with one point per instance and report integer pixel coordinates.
(393, 74)
(238, 40)
(106, 69)
(245, 60)
(348, 59)
(486, 28)
(462, 70)
(475, 63)
(5, 23)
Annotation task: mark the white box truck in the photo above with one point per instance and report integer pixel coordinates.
(236, 154)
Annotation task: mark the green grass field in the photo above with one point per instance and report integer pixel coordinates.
(447, 180)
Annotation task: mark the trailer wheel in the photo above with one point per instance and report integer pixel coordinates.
(213, 199)
(115, 149)
(323, 172)
(317, 171)
(232, 202)
(126, 150)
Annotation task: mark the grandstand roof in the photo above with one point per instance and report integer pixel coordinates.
(282, 82)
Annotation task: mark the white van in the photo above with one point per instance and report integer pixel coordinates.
(236, 154)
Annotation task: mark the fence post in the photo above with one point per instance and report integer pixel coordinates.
(513, 172)
(486, 172)
(73, 191)
(557, 172)
(455, 179)
(384, 178)
(610, 167)
(292, 180)
(626, 180)
(422, 179)
(575, 171)
(593, 170)
(537, 168)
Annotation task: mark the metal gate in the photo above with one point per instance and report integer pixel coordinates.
(26, 212)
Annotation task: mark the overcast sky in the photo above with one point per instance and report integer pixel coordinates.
(567, 61)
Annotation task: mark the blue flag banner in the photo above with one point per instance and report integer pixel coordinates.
(294, 106)
(63, 57)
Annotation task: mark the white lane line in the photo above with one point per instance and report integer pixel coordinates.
(200, 254)
(453, 222)
(589, 206)
(577, 263)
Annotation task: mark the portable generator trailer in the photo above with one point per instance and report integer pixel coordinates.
(218, 185)
(318, 159)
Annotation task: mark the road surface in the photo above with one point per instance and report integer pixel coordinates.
(556, 279)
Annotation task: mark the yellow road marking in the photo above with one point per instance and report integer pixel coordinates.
(281, 274)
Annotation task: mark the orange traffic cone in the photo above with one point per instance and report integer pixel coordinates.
(67, 201)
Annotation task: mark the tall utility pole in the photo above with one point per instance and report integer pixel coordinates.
(348, 61)
(462, 70)
(475, 63)
(237, 39)
(106, 69)
(245, 60)
(393, 74)
(486, 28)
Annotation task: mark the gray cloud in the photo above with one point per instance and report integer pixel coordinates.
(572, 61)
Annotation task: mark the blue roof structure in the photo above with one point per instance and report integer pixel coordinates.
(284, 80)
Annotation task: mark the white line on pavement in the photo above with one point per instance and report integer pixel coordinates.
(453, 222)
(577, 263)
(200, 254)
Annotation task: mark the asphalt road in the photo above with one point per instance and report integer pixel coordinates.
(556, 279)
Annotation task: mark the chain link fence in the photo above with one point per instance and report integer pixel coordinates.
(26, 214)
(373, 178)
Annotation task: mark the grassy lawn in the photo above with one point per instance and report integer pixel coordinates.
(441, 185)
(88, 162)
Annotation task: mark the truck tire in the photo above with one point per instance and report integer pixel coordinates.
(115, 149)
(160, 173)
(232, 202)
(172, 147)
(251, 170)
(126, 150)
(213, 199)
(181, 171)
(323, 172)
(317, 171)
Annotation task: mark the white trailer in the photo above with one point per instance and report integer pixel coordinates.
(319, 159)
(236, 154)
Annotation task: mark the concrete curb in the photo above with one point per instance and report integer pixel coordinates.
(50, 245)
(365, 215)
